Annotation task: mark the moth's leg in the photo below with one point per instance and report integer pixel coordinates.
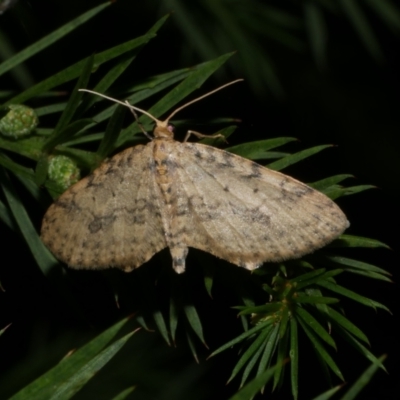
(202, 136)
(137, 120)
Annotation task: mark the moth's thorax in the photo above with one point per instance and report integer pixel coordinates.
(162, 154)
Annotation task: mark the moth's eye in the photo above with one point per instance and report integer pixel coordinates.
(171, 128)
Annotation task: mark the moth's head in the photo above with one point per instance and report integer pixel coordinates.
(163, 129)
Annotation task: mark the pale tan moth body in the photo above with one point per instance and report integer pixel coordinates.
(180, 195)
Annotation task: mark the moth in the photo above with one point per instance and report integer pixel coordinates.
(179, 195)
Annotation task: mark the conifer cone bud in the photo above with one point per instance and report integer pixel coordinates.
(19, 121)
(64, 172)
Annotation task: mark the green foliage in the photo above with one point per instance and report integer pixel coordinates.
(300, 302)
(277, 302)
(67, 378)
(296, 26)
(251, 389)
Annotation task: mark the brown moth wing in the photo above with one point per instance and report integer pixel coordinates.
(247, 214)
(111, 218)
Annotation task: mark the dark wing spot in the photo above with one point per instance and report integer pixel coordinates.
(211, 158)
(99, 223)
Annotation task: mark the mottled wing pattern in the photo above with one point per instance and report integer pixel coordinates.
(247, 214)
(111, 218)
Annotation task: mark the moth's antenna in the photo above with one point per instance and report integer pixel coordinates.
(158, 122)
(126, 104)
(137, 120)
(200, 98)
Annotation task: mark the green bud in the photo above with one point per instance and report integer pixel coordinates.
(64, 172)
(19, 121)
